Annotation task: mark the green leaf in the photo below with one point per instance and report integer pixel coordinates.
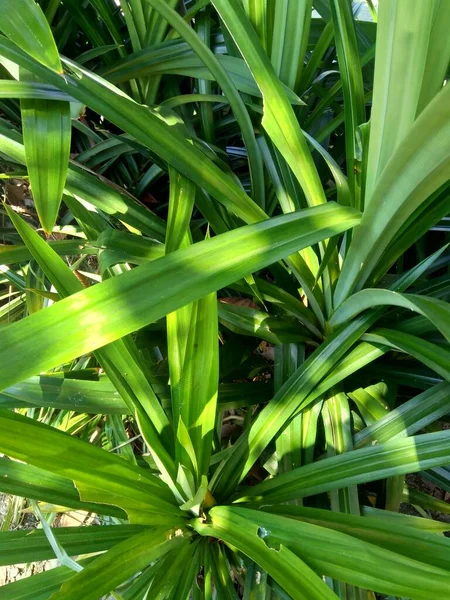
(416, 225)
(292, 397)
(119, 247)
(279, 119)
(420, 523)
(199, 379)
(160, 132)
(250, 321)
(435, 357)
(173, 572)
(120, 360)
(99, 476)
(31, 482)
(326, 552)
(101, 397)
(289, 443)
(343, 191)
(220, 568)
(26, 545)
(417, 168)
(37, 587)
(85, 185)
(438, 55)
(283, 299)
(119, 564)
(174, 58)
(54, 267)
(10, 254)
(316, 56)
(93, 317)
(233, 527)
(408, 418)
(291, 24)
(192, 338)
(352, 87)
(30, 90)
(259, 15)
(181, 204)
(405, 455)
(417, 498)
(405, 540)
(336, 421)
(436, 311)
(27, 27)
(399, 66)
(224, 80)
(46, 126)
(371, 402)
(203, 28)
(336, 417)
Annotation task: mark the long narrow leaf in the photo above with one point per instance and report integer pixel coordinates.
(82, 326)
(416, 169)
(294, 575)
(119, 564)
(400, 456)
(399, 66)
(279, 119)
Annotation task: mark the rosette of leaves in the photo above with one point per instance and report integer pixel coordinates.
(240, 173)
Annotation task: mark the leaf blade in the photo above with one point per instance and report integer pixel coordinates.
(260, 244)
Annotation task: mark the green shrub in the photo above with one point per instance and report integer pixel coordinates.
(225, 316)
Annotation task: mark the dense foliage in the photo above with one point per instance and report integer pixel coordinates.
(224, 297)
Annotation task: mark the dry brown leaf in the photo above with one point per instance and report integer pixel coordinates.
(245, 302)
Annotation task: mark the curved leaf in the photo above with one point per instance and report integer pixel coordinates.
(24, 480)
(27, 27)
(148, 126)
(436, 311)
(225, 82)
(99, 475)
(279, 119)
(86, 185)
(435, 357)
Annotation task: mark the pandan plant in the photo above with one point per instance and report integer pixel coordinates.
(224, 303)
